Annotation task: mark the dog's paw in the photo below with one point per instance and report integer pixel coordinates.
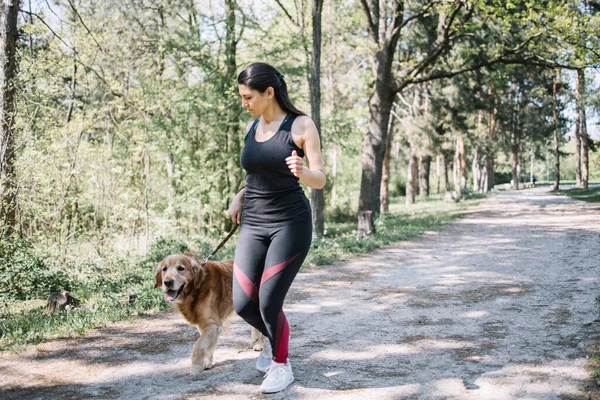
(258, 346)
(259, 342)
(255, 334)
(197, 369)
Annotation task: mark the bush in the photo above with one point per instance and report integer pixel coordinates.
(502, 177)
(340, 214)
(163, 247)
(397, 187)
(23, 275)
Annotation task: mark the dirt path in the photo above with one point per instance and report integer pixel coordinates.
(499, 305)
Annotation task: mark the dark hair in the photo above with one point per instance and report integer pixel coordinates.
(260, 76)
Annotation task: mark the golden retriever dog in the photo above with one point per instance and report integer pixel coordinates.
(203, 295)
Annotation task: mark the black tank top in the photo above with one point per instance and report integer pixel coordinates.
(273, 194)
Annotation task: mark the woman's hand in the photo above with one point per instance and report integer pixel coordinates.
(235, 209)
(295, 164)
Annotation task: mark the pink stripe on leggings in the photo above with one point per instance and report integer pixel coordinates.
(246, 284)
(282, 339)
(276, 268)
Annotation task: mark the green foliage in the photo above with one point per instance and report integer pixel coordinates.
(341, 213)
(34, 325)
(501, 177)
(397, 187)
(23, 275)
(162, 248)
(594, 362)
(104, 291)
(130, 128)
(340, 241)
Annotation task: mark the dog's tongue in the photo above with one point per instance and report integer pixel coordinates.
(170, 295)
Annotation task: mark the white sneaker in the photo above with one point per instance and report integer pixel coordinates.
(265, 358)
(278, 377)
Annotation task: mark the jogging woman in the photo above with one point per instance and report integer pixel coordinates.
(276, 229)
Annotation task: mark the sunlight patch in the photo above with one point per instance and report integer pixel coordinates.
(474, 314)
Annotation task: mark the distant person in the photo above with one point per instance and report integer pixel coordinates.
(276, 218)
(533, 179)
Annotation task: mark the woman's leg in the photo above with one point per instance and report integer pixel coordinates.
(288, 249)
(250, 254)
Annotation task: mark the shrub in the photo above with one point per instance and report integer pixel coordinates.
(23, 275)
(502, 177)
(397, 187)
(163, 247)
(341, 213)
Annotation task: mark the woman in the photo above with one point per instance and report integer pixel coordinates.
(277, 226)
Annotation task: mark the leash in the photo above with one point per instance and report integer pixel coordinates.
(211, 255)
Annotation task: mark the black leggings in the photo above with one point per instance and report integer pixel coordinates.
(266, 262)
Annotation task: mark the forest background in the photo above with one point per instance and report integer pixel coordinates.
(122, 126)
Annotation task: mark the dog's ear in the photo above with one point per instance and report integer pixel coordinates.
(158, 276)
(197, 270)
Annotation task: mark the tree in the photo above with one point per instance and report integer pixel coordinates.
(8, 67)
(385, 24)
(577, 135)
(555, 138)
(582, 127)
(488, 26)
(317, 197)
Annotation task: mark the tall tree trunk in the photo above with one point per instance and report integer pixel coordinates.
(385, 178)
(411, 176)
(522, 162)
(8, 68)
(515, 143)
(492, 127)
(384, 32)
(531, 165)
(438, 171)
(463, 163)
(514, 151)
(585, 163)
(428, 174)
(483, 181)
(424, 167)
(457, 174)
(445, 159)
(489, 166)
(233, 138)
(385, 171)
(577, 130)
(317, 197)
(476, 170)
(555, 136)
(380, 105)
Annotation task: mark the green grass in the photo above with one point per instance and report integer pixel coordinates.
(105, 289)
(591, 195)
(594, 365)
(595, 356)
(104, 292)
(401, 223)
(595, 361)
(29, 325)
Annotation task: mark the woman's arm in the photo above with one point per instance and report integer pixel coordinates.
(235, 209)
(313, 174)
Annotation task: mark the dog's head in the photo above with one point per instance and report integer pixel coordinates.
(176, 274)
